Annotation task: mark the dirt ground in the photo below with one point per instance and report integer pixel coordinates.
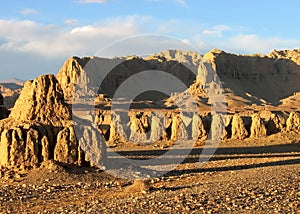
(248, 176)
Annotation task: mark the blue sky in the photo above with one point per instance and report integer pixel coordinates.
(37, 36)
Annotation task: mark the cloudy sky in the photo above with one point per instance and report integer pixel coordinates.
(37, 36)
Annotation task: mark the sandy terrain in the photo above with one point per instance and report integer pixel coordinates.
(252, 175)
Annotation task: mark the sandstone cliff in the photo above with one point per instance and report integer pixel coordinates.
(257, 78)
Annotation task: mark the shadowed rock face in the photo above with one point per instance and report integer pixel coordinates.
(265, 78)
(3, 110)
(1, 100)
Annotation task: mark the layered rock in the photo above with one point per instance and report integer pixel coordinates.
(93, 75)
(257, 78)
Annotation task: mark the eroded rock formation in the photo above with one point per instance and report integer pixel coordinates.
(198, 128)
(157, 127)
(238, 128)
(258, 128)
(275, 124)
(293, 122)
(40, 128)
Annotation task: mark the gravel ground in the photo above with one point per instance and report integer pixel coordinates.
(266, 182)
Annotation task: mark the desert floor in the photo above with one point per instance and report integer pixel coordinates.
(251, 176)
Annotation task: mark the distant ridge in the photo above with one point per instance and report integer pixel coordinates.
(13, 80)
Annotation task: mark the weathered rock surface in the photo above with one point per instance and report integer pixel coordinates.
(293, 122)
(157, 128)
(257, 78)
(40, 129)
(138, 126)
(42, 100)
(238, 128)
(258, 128)
(217, 129)
(198, 128)
(275, 124)
(293, 55)
(178, 128)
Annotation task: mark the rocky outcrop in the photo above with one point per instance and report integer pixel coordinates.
(217, 129)
(238, 128)
(21, 145)
(198, 128)
(258, 128)
(72, 73)
(138, 126)
(257, 78)
(157, 127)
(293, 55)
(40, 128)
(117, 132)
(95, 75)
(178, 128)
(275, 124)
(42, 100)
(293, 122)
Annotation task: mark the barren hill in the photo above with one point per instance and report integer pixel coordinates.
(251, 83)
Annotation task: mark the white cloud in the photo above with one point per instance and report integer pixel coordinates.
(28, 11)
(252, 43)
(53, 41)
(216, 30)
(71, 22)
(92, 1)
